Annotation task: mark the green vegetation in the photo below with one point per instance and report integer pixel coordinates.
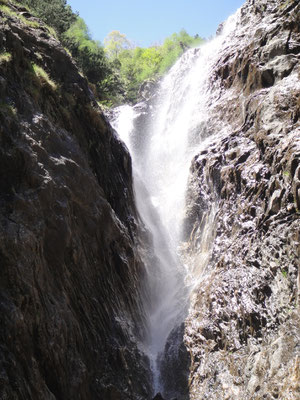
(5, 57)
(284, 273)
(139, 64)
(91, 59)
(8, 11)
(43, 76)
(284, 5)
(115, 43)
(116, 70)
(55, 13)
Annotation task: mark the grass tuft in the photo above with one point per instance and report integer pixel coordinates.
(8, 11)
(43, 76)
(52, 31)
(5, 57)
(284, 273)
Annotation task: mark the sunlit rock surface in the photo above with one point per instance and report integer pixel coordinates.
(243, 330)
(71, 280)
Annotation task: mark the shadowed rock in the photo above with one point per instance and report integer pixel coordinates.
(71, 279)
(158, 397)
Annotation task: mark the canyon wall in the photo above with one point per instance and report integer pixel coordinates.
(71, 278)
(243, 331)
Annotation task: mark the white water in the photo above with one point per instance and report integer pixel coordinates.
(178, 132)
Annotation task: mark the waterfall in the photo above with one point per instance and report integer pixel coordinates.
(162, 153)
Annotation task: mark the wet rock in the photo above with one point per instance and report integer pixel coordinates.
(148, 90)
(220, 29)
(158, 397)
(267, 78)
(174, 363)
(242, 222)
(275, 202)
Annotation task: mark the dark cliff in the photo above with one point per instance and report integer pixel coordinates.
(71, 279)
(243, 326)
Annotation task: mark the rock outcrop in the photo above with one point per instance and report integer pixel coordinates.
(243, 329)
(71, 279)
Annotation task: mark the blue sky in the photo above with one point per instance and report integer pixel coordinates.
(151, 21)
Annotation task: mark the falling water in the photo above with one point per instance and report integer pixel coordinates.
(161, 161)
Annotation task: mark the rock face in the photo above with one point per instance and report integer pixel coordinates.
(243, 330)
(71, 279)
(174, 365)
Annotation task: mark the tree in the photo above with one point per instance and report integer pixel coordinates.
(139, 64)
(88, 53)
(118, 69)
(116, 42)
(55, 13)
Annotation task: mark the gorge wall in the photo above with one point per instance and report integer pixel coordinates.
(242, 331)
(71, 279)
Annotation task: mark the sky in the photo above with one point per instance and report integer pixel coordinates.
(149, 22)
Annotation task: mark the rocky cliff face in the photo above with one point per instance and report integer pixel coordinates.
(71, 280)
(243, 326)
